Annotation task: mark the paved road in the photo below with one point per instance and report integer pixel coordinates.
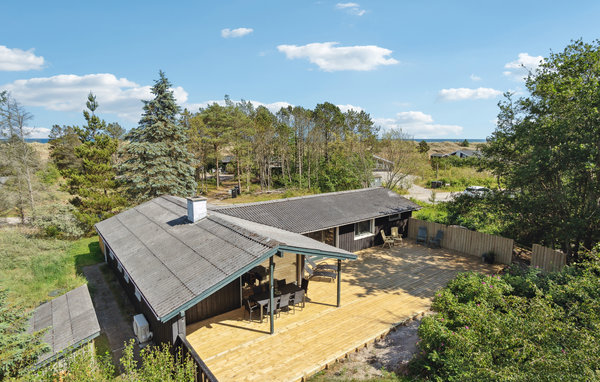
(424, 194)
(118, 330)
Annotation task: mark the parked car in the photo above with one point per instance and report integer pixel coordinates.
(476, 191)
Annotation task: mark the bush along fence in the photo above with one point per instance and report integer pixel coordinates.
(466, 241)
(547, 259)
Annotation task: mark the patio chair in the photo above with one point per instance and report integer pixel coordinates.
(395, 235)
(436, 242)
(257, 289)
(323, 273)
(422, 235)
(304, 286)
(326, 267)
(250, 307)
(283, 304)
(280, 284)
(386, 240)
(299, 298)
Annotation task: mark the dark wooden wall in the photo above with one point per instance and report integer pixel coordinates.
(161, 331)
(224, 300)
(346, 233)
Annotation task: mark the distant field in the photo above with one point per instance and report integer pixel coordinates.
(33, 268)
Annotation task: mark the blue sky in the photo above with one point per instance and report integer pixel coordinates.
(435, 69)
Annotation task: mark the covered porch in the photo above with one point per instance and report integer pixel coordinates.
(381, 289)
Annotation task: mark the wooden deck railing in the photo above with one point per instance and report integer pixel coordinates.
(466, 241)
(203, 373)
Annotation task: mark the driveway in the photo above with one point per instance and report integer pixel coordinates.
(424, 194)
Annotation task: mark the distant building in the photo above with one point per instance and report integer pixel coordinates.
(463, 153)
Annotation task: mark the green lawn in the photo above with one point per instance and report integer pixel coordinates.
(34, 269)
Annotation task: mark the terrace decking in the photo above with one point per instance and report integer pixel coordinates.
(379, 290)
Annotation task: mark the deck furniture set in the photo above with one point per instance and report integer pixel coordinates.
(286, 296)
(393, 239)
(434, 241)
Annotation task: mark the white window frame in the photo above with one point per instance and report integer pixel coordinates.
(364, 235)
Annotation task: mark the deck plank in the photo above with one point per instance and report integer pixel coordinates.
(379, 290)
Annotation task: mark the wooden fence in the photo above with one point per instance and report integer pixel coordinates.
(203, 373)
(466, 241)
(547, 259)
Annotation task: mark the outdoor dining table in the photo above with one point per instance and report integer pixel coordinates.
(263, 298)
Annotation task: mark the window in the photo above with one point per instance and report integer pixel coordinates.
(138, 295)
(363, 229)
(112, 256)
(126, 277)
(119, 267)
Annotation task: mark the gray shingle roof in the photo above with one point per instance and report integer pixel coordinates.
(316, 212)
(70, 319)
(175, 263)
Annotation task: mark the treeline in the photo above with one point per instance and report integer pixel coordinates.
(175, 152)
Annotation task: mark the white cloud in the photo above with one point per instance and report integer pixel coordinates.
(233, 33)
(418, 125)
(330, 58)
(18, 60)
(68, 92)
(460, 94)
(37, 132)
(352, 8)
(520, 68)
(345, 108)
(475, 77)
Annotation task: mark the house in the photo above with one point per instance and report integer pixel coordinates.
(182, 261)
(464, 153)
(70, 321)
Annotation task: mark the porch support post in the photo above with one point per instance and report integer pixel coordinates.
(271, 271)
(339, 282)
(298, 269)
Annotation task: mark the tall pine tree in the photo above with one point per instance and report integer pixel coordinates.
(93, 183)
(157, 161)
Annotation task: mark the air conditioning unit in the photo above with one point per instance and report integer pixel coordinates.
(141, 329)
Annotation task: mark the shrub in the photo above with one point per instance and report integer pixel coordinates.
(58, 221)
(525, 325)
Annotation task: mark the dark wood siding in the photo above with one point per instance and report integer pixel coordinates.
(224, 300)
(161, 331)
(346, 233)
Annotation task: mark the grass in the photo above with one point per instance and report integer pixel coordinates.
(339, 373)
(431, 212)
(101, 345)
(458, 178)
(32, 268)
(118, 293)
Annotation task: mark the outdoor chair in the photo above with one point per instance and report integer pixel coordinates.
(281, 284)
(323, 273)
(299, 298)
(293, 301)
(386, 240)
(257, 289)
(395, 235)
(283, 304)
(304, 286)
(250, 307)
(436, 242)
(326, 267)
(422, 235)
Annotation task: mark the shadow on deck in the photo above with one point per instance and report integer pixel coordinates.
(381, 289)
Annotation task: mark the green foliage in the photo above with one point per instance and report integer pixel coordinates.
(423, 147)
(437, 213)
(49, 174)
(157, 160)
(524, 325)
(93, 182)
(464, 143)
(59, 221)
(63, 141)
(115, 131)
(545, 150)
(18, 348)
(157, 364)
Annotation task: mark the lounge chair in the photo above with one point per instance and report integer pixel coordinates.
(386, 240)
(323, 273)
(326, 267)
(436, 242)
(395, 235)
(422, 235)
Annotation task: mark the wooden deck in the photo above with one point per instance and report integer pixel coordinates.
(379, 290)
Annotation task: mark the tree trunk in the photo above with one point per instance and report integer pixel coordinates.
(217, 165)
(239, 180)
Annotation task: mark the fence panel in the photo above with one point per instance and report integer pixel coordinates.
(466, 241)
(547, 259)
